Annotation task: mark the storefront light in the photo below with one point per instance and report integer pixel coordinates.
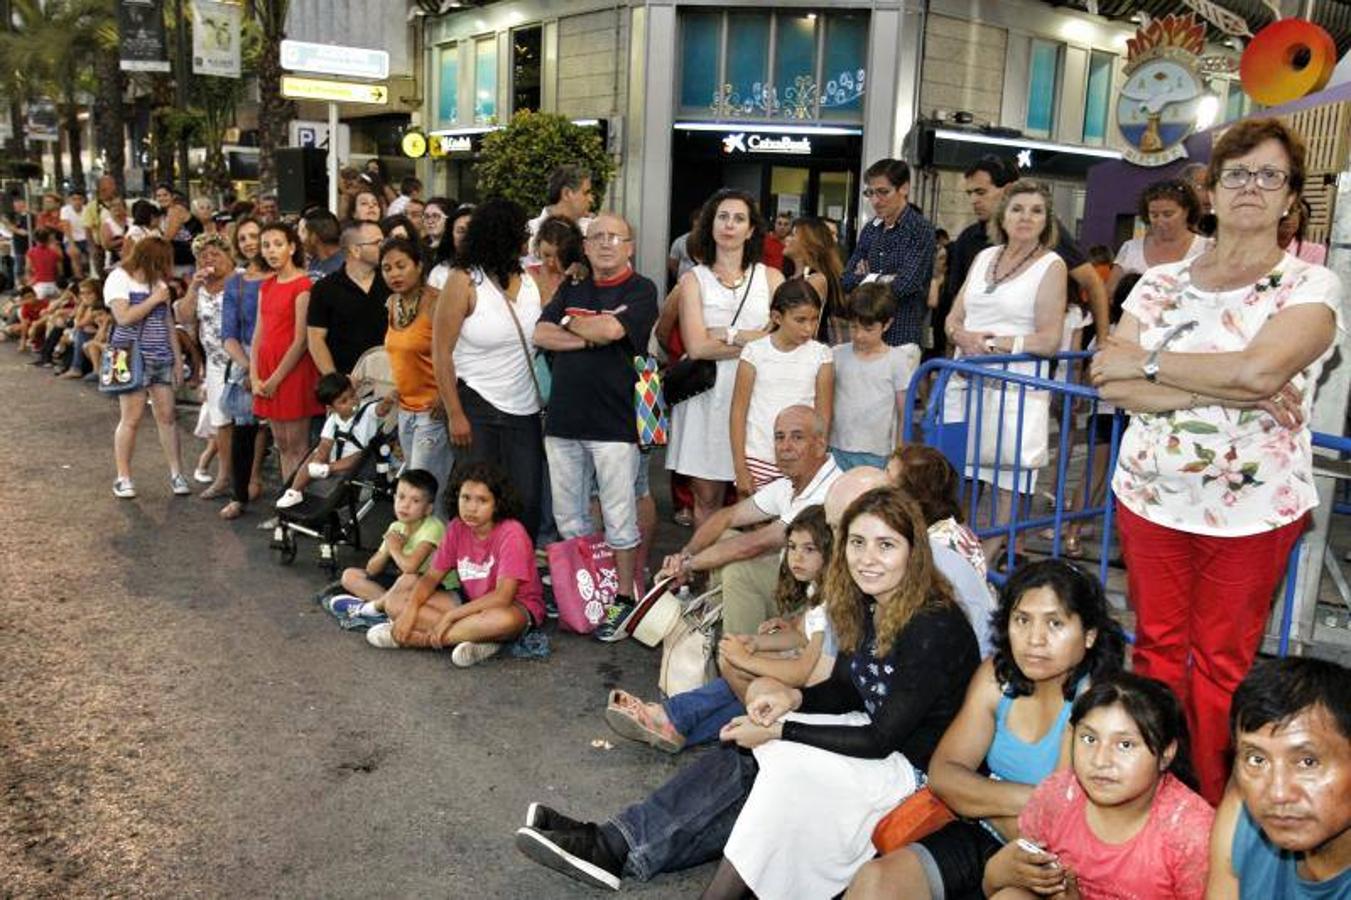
(766, 127)
(1207, 111)
(969, 137)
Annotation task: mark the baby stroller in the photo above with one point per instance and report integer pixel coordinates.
(334, 507)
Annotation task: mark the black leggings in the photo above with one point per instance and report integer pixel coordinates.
(242, 442)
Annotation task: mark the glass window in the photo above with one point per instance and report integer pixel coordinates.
(1236, 105)
(448, 85)
(1042, 82)
(795, 65)
(844, 67)
(525, 68)
(748, 64)
(701, 38)
(485, 79)
(1098, 96)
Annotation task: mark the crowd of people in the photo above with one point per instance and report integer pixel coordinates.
(865, 662)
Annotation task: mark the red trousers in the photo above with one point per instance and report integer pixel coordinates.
(1201, 604)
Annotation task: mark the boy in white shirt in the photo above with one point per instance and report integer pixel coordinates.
(348, 430)
(870, 382)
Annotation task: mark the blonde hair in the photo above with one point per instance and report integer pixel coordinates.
(1050, 233)
(921, 586)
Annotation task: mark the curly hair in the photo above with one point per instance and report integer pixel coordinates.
(925, 474)
(1081, 595)
(700, 244)
(1177, 190)
(495, 238)
(565, 237)
(921, 586)
(1155, 710)
(791, 594)
(389, 223)
(506, 503)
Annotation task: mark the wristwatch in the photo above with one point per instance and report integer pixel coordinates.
(1151, 364)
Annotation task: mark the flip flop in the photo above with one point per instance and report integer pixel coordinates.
(629, 717)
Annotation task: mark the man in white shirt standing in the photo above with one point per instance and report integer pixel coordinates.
(77, 236)
(569, 196)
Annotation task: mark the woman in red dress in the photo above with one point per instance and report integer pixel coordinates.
(281, 371)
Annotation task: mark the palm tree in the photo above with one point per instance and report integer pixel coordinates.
(275, 112)
(109, 119)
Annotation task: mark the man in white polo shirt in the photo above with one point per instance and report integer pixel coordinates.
(749, 560)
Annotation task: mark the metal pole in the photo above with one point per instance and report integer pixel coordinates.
(333, 156)
(181, 86)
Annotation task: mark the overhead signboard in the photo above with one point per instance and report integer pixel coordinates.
(297, 88)
(333, 59)
(141, 43)
(215, 38)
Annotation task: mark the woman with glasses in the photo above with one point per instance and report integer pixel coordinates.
(1217, 358)
(724, 305)
(484, 356)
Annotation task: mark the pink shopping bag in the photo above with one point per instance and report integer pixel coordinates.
(585, 580)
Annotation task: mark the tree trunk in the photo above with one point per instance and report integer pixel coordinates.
(275, 112)
(74, 139)
(162, 130)
(58, 164)
(109, 118)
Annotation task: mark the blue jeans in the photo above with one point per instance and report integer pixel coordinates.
(616, 466)
(426, 445)
(686, 821)
(700, 714)
(515, 443)
(852, 459)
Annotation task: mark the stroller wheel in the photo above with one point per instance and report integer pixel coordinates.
(288, 548)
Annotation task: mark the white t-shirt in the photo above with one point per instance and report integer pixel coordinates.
(398, 205)
(1131, 256)
(439, 275)
(781, 380)
(865, 419)
(75, 220)
(777, 498)
(357, 431)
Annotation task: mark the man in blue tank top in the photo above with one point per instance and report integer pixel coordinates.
(1283, 830)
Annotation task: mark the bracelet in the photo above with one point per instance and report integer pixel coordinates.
(731, 336)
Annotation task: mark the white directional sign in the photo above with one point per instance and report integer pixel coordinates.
(331, 59)
(333, 91)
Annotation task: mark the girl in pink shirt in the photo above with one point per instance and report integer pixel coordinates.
(490, 550)
(1124, 822)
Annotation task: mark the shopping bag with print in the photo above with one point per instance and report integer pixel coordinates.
(585, 581)
(648, 405)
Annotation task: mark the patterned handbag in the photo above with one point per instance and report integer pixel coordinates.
(648, 404)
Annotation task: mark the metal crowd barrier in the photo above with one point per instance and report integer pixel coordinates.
(961, 433)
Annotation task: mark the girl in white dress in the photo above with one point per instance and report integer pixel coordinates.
(1013, 302)
(727, 242)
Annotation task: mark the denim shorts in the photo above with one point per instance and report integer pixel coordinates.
(157, 371)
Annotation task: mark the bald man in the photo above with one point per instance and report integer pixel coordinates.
(749, 561)
(849, 487)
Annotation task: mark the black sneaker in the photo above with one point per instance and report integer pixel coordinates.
(577, 852)
(545, 818)
(614, 626)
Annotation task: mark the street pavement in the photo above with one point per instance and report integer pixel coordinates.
(179, 719)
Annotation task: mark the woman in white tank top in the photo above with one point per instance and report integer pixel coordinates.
(727, 241)
(1013, 301)
(483, 354)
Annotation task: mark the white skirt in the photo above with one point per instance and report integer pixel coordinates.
(807, 826)
(210, 417)
(701, 441)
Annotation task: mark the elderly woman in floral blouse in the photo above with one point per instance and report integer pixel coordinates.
(1218, 357)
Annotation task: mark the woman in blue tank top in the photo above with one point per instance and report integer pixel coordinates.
(1053, 635)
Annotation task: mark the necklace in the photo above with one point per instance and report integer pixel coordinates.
(732, 285)
(995, 279)
(404, 315)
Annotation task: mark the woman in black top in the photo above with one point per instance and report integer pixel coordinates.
(796, 817)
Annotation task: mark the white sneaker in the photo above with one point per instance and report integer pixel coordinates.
(124, 489)
(382, 636)
(291, 498)
(202, 476)
(471, 653)
(179, 485)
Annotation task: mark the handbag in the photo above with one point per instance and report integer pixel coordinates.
(689, 378)
(236, 401)
(689, 651)
(585, 580)
(918, 816)
(649, 405)
(121, 369)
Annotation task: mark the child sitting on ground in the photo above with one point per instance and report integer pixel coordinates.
(870, 382)
(1124, 820)
(409, 543)
(796, 653)
(348, 430)
(27, 310)
(490, 550)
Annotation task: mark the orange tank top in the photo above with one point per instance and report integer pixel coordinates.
(410, 360)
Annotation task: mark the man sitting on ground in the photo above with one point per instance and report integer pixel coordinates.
(1283, 829)
(749, 561)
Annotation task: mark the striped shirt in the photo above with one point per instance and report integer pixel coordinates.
(153, 330)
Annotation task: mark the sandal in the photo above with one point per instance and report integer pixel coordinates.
(232, 510)
(630, 717)
(214, 491)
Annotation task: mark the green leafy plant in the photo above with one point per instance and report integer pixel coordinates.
(518, 159)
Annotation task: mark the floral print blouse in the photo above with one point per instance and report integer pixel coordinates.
(1214, 470)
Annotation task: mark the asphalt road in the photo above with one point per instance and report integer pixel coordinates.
(178, 718)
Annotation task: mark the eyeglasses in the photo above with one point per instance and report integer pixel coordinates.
(878, 192)
(607, 239)
(1269, 178)
(433, 217)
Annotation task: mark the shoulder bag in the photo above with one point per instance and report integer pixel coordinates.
(121, 369)
(688, 377)
(689, 650)
(532, 363)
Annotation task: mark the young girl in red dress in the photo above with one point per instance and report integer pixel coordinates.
(281, 371)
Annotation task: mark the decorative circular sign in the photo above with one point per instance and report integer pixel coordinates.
(1163, 88)
(414, 144)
